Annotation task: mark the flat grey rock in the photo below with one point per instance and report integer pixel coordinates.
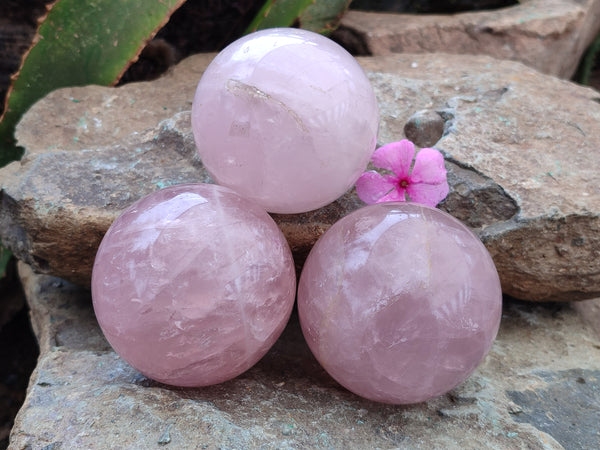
(547, 35)
(522, 151)
(537, 388)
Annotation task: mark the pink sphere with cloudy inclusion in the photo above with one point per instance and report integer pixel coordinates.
(193, 284)
(399, 302)
(286, 117)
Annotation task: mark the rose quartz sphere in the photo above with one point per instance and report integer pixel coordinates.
(285, 117)
(399, 302)
(193, 284)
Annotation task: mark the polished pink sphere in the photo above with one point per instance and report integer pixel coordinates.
(285, 117)
(399, 302)
(193, 284)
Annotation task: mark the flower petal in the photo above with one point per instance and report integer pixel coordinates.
(428, 194)
(429, 167)
(396, 195)
(371, 186)
(395, 156)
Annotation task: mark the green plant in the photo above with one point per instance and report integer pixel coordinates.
(80, 43)
(586, 65)
(321, 16)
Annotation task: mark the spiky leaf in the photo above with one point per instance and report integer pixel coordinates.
(78, 43)
(321, 16)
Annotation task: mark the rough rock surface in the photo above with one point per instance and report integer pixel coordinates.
(522, 150)
(538, 388)
(548, 35)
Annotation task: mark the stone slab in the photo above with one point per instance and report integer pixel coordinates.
(538, 388)
(548, 35)
(521, 151)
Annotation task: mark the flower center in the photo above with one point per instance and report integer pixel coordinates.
(403, 184)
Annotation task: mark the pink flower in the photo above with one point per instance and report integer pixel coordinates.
(425, 184)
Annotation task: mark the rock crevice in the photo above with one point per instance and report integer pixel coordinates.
(476, 199)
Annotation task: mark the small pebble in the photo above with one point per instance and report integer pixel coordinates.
(424, 128)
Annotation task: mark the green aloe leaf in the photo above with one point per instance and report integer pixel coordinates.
(277, 13)
(78, 43)
(588, 60)
(321, 16)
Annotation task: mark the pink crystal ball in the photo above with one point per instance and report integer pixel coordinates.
(399, 302)
(193, 284)
(285, 117)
